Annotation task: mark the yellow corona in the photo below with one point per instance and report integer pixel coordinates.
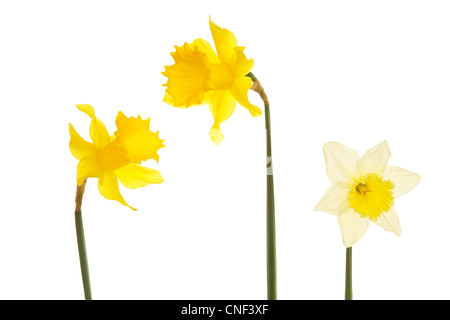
(371, 196)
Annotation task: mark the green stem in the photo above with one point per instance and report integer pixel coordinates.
(270, 224)
(348, 274)
(270, 214)
(82, 244)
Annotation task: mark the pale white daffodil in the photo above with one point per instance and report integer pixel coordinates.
(363, 189)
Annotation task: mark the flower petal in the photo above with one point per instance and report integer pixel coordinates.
(79, 147)
(340, 162)
(374, 160)
(224, 40)
(239, 92)
(216, 135)
(389, 221)
(221, 105)
(403, 180)
(353, 227)
(109, 188)
(99, 135)
(334, 200)
(134, 176)
(88, 168)
(240, 64)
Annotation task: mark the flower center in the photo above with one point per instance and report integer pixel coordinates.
(112, 156)
(362, 188)
(371, 196)
(221, 76)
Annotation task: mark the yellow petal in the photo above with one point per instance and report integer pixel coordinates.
(99, 135)
(222, 105)
(134, 176)
(109, 188)
(188, 79)
(216, 135)
(353, 227)
(240, 64)
(79, 147)
(86, 108)
(88, 168)
(239, 91)
(224, 40)
(134, 136)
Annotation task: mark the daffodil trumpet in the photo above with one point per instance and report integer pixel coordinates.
(270, 213)
(111, 158)
(363, 190)
(81, 242)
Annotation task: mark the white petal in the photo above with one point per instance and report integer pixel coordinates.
(340, 161)
(374, 160)
(353, 227)
(334, 200)
(403, 180)
(389, 221)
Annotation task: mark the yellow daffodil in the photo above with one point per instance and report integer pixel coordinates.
(363, 189)
(109, 158)
(200, 76)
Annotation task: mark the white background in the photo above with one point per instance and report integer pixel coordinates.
(356, 72)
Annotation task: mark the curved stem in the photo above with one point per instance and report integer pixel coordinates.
(270, 214)
(348, 274)
(81, 242)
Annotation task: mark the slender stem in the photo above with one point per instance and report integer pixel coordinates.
(348, 274)
(271, 238)
(81, 242)
(270, 214)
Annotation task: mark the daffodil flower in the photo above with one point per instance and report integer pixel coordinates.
(202, 76)
(221, 78)
(113, 158)
(363, 189)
